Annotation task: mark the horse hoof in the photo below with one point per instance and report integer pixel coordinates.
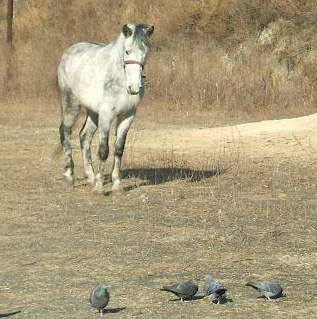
(117, 188)
(69, 178)
(98, 189)
(91, 180)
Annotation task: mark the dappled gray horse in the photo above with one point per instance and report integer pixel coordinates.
(107, 80)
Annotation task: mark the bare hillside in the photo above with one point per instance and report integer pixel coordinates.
(249, 56)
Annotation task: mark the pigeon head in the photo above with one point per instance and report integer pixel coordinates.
(104, 286)
(208, 277)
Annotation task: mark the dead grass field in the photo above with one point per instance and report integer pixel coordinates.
(236, 214)
(254, 56)
(236, 201)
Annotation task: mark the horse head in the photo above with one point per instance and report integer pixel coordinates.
(136, 43)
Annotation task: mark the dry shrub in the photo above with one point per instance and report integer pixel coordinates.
(205, 54)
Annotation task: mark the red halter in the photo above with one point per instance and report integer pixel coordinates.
(132, 62)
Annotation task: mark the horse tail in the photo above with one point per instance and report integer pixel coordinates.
(59, 148)
(58, 151)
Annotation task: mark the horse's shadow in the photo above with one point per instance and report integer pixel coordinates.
(155, 176)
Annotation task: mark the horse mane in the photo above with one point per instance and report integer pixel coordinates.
(140, 36)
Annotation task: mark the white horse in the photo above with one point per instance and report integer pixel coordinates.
(107, 80)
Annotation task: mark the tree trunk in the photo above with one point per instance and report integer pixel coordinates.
(9, 49)
(10, 23)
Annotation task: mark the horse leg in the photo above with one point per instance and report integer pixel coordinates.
(103, 151)
(70, 110)
(123, 124)
(86, 134)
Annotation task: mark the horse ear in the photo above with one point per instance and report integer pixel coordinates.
(126, 31)
(150, 30)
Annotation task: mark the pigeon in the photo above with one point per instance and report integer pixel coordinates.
(215, 290)
(99, 297)
(267, 289)
(184, 290)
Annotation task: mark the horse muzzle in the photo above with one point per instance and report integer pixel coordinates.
(132, 91)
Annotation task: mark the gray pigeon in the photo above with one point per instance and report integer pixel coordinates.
(184, 290)
(99, 297)
(215, 290)
(267, 289)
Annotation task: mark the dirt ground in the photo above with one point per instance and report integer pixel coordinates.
(235, 201)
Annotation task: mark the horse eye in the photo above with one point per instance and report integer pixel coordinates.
(127, 52)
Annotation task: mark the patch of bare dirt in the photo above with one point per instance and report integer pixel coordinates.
(239, 202)
(291, 138)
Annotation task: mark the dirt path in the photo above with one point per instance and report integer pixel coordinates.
(292, 138)
(255, 220)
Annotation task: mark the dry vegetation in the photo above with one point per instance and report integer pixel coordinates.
(184, 213)
(181, 216)
(249, 56)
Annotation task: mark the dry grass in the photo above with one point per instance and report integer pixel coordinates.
(238, 218)
(252, 220)
(205, 55)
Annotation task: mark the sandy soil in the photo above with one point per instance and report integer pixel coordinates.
(238, 201)
(292, 138)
